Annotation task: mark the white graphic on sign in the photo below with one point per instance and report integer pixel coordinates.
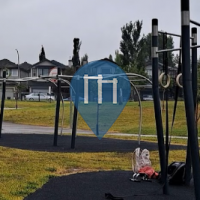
(100, 80)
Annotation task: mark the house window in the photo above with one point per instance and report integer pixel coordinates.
(34, 72)
(40, 72)
(43, 72)
(14, 72)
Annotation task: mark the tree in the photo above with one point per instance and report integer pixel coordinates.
(42, 55)
(131, 46)
(135, 49)
(170, 45)
(110, 57)
(19, 87)
(84, 58)
(176, 59)
(118, 58)
(69, 71)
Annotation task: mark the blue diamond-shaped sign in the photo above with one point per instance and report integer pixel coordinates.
(100, 90)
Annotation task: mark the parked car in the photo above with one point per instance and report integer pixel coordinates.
(148, 98)
(73, 99)
(39, 96)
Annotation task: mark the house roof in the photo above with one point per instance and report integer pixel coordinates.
(25, 66)
(5, 63)
(59, 64)
(53, 62)
(149, 63)
(160, 65)
(41, 62)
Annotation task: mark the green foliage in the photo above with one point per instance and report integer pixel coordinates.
(170, 45)
(176, 59)
(119, 58)
(135, 49)
(110, 57)
(20, 87)
(131, 47)
(70, 71)
(84, 58)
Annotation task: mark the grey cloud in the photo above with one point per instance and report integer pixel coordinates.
(26, 25)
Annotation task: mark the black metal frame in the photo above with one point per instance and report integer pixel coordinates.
(190, 94)
(2, 100)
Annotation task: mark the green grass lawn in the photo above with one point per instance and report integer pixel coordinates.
(23, 171)
(43, 113)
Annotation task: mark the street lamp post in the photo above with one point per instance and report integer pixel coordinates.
(16, 97)
(18, 63)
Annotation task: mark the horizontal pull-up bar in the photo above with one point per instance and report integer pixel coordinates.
(173, 34)
(195, 46)
(178, 49)
(168, 50)
(195, 23)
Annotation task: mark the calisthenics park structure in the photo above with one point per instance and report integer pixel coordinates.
(187, 71)
(188, 85)
(57, 80)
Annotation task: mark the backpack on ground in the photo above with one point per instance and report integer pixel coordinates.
(141, 158)
(141, 166)
(176, 172)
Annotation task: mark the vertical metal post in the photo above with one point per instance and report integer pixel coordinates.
(75, 116)
(18, 63)
(57, 111)
(165, 64)
(156, 97)
(2, 100)
(194, 89)
(70, 111)
(188, 95)
(17, 89)
(50, 93)
(97, 122)
(76, 64)
(194, 66)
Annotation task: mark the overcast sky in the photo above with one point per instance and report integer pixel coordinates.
(28, 24)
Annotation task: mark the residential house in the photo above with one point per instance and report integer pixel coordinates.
(148, 69)
(44, 68)
(147, 89)
(13, 71)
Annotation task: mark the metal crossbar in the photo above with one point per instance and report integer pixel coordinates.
(173, 34)
(195, 23)
(177, 49)
(195, 46)
(168, 50)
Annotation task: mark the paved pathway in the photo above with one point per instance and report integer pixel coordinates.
(9, 127)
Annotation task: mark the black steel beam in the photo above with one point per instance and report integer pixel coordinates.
(2, 100)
